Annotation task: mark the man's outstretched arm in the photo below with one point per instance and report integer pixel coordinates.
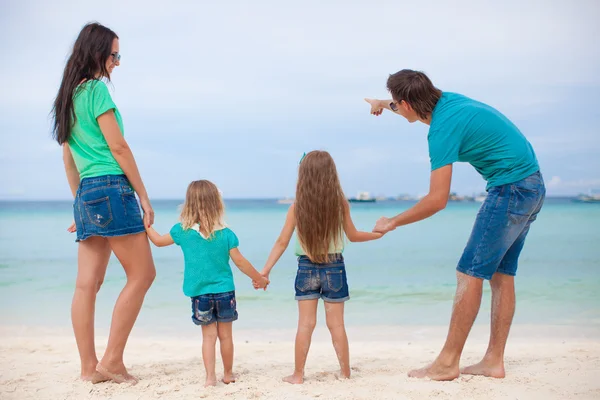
(436, 200)
(377, 106)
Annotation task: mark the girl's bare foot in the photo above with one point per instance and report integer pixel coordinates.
(294, 379)
(343, 375)
(228, 377)
(210, 381)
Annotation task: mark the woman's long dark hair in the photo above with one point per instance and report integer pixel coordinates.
(87, 62)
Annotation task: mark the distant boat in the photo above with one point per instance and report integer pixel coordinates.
(363, 197)
(287, 200)
(588, 198)
(454, 197)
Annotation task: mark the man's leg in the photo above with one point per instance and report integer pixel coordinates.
(503, 310)
(479, 261)
(466, 306)
(523, 212)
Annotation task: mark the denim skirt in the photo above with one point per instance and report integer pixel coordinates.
(106, 206)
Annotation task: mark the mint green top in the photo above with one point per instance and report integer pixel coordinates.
(207, 268)
(89, 148)
(339, 249)
(466, 130)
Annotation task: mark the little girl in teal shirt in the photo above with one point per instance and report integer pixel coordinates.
(207, 245)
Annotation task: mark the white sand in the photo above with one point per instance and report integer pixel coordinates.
(542, 363)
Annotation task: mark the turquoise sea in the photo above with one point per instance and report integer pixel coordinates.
(407, 277)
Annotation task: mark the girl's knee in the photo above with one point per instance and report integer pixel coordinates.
(335, 325)
(307, 324)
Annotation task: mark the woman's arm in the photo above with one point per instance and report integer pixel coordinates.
(124, 157)
(282, 242)
(158, 239)
(352, 233)
(70, 169)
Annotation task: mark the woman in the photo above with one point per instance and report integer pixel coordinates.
(104, 178)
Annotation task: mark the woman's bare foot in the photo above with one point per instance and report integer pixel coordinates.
(228, 377)
(436, 372)
(118, 374)
(485, 368)
(210, 381)
(95, 377)
(294, 379)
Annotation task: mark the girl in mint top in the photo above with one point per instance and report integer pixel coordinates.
(321, 218)
(207, 246)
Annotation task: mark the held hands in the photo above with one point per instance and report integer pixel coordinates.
(376, 107)
(148, 212)
(263, 283)
(384, 225)
(72, 228)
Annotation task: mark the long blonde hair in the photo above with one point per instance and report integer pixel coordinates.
(319, 206)
(204, 206)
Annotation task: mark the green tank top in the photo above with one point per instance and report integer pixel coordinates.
(90, 151)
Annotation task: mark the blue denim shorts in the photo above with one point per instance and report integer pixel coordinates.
(106, 206)
(211, 308)
(324, 281)
(501, 227)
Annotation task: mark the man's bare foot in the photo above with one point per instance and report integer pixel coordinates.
(228, 377)
(294, 379)
(116, 374)
(212, 381)
(95, 377)
(436, 372)
(484, 368)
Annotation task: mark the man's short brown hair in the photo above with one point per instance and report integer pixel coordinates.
(415, 88)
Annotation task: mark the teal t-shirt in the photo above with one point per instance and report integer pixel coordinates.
(466, 130)
(207, 268)
(90, 151)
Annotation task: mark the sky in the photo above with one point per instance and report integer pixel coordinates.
(235, 92)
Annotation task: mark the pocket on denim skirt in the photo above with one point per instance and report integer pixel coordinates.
(99, 211)
(335, 280)
(131, 205)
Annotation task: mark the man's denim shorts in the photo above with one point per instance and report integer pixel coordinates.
(501, 227)
(324, 281)
(106, 206)
(211, 308)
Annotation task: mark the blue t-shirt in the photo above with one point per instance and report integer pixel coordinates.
(207, 268)
(466, 130)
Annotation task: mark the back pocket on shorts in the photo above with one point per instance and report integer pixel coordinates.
(304, 280)
(335, 280)
(99, 212)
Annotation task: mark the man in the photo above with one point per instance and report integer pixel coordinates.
(464, 130)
